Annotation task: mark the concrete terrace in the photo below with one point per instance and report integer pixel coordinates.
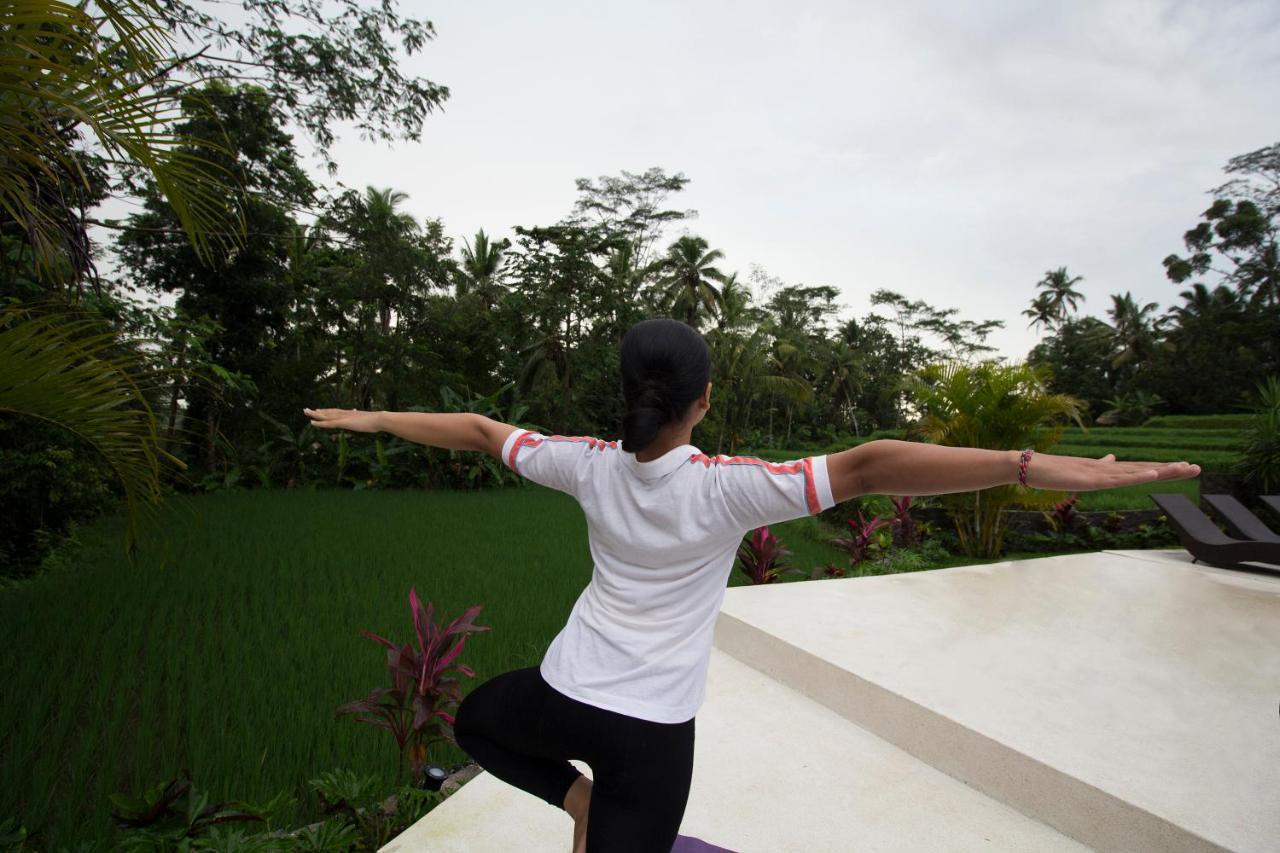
(1120, 700)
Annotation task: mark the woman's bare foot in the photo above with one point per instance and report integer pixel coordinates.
(577, 802)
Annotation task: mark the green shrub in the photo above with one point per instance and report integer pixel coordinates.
(1260, 463)
(52, 482)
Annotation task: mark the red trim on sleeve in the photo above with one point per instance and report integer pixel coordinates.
(520, 441)
(595, 443)
(800, 466)
(810, 487)
(771, 467)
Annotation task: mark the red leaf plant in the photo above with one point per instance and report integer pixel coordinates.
(830, 570)
(904, 522)
(413, 707)
(859, 542)
(1064, 515)
(761, 555)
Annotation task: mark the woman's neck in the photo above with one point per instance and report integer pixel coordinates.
(669, 437)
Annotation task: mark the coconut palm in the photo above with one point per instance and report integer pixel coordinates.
(1135, 330)
(482, 267)
(735, 305)
(57, 93)
(997, 407)
(1041, 311)
(92, 83)
(1058, 292)
(687, 287)
(845, 365)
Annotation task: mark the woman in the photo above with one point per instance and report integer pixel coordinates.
(620, 685)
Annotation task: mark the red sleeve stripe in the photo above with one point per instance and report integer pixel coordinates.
(811, 487)
(802, 466)
(521, 440)
(596, 443)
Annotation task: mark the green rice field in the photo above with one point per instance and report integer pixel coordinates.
(228, 648)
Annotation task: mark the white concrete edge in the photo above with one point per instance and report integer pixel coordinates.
(1070, 805)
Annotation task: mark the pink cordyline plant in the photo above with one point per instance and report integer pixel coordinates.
(761, 554)
(1064, 514)
(859, 541)
(904, 522)
(413, 707)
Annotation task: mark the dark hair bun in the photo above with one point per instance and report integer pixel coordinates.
(665, 367)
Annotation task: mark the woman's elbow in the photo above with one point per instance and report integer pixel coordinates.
(848, 470)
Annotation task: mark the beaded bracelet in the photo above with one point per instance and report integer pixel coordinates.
(1022, 465)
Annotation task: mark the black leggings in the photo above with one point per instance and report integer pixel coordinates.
(524, 732)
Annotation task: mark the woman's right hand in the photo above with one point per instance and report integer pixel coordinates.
(1081, 474)
(352, 419)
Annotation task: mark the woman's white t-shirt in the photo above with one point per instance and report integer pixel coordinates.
(663, 536)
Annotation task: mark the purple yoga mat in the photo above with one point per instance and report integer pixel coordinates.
(689, 844)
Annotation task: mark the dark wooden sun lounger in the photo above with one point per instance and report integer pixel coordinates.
(1242, 523)
(1206, 543)
(1272, 501)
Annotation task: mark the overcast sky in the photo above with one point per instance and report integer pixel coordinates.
(950, 152)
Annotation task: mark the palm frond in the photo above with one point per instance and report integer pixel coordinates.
(60, 370)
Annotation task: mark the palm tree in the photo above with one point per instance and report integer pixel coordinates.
(846, 369)
(1059, 293)
(68, 371)
(688, 282)
(385, 229)
(75, 374)
(735, 305)
(746, 373)
(997, 407)
(482, 267)
(1136, 330)
(1042, 311)
(1206, 308)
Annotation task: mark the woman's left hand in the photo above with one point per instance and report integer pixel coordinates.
(352, 419)
(1081, 474)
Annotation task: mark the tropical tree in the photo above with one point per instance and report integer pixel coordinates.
(1059, 292)
(844, 365)
(1077, 358)
(75, 76)
(1136, 336)
(1238, 242)
(992, 406)
(632, 207)
(72, 372)
(1211, 350)
(687, 287)
(1041, 311)
(481, 268)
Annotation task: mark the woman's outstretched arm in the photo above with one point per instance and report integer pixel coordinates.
(450, 430)
(888, 466)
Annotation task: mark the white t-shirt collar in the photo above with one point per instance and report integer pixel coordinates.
(663, 465)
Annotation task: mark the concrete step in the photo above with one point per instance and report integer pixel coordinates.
(774, 772)
(1127, 699)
